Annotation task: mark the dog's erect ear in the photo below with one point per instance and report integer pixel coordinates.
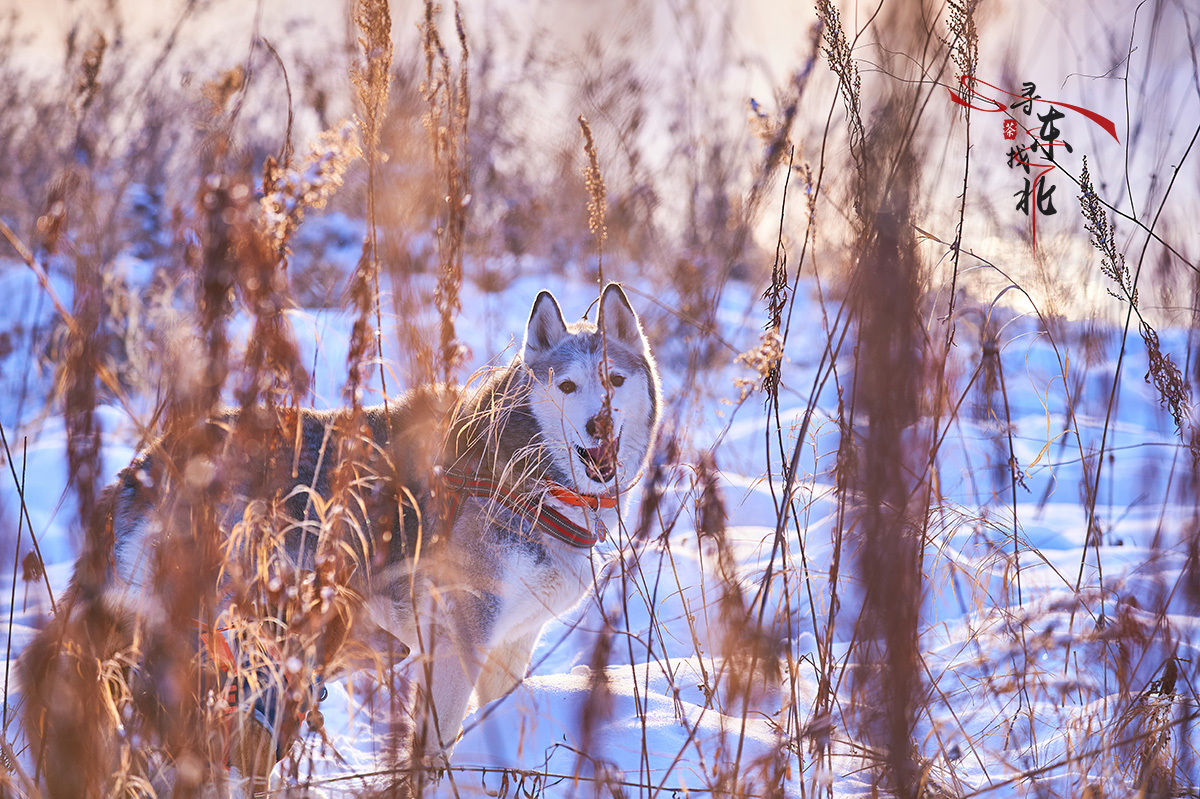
(617, 319)
(546, 326)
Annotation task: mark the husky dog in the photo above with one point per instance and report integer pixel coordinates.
(468, 515)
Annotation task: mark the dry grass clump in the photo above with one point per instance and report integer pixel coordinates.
(146, 709)
(446, 120)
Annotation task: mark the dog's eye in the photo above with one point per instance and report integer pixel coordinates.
(616, 381)
(566, 387)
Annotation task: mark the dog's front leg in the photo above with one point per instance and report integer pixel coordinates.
(453, 657)
(505, 667)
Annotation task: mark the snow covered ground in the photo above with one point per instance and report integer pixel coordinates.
(1025, 650)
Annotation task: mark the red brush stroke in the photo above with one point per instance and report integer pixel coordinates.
(965, 80)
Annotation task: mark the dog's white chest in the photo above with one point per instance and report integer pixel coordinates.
(543, 582)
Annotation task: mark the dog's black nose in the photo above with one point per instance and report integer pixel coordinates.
(599, 426)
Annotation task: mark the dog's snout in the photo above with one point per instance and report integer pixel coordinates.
(600, 425)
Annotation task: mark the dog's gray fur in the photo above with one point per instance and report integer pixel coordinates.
(471, 599)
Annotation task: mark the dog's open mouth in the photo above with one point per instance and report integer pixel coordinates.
(601, 461)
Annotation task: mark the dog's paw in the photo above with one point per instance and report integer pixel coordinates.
(435, 763)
